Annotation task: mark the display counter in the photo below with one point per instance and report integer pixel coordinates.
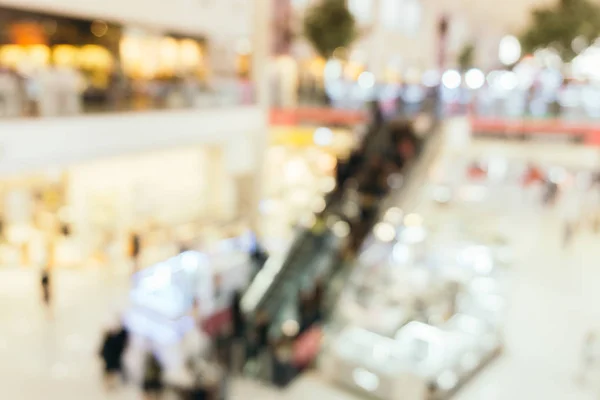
(421, 313)
(168, 298)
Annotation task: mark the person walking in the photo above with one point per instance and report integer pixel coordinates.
(46, 287)
(111, 353)
(122, 341)
(152, 385)
(571, 210)
(135, 249)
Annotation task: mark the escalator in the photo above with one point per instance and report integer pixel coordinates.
(280, 276)
(316, 252)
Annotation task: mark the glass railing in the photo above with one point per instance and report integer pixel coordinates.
(60, 95)
(572, 102)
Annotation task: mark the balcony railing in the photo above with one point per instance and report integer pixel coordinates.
(59, 95)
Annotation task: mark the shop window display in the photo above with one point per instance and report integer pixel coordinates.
(52, 65)
(34, 231)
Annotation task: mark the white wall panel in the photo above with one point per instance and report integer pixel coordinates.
(27, 145)
(231, 17)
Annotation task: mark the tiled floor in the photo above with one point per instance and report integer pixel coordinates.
(553, 301)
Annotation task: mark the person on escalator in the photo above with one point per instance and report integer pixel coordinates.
(341, 174)
(319, 299)
(376, 115)
(251, 348)
(282, 358)
(307, 310)
(257, 346)
(262, 330)
(404, 142)
(152, 385)
(237, 317)
(372, 183)
(258, 255)
(353, 164)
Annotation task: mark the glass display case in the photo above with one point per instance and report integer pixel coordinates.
(419, 316)
(166, 298)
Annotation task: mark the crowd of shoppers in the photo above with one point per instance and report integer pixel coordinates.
(277, 350)
(386, 149)
(203, 375)
(262, 345)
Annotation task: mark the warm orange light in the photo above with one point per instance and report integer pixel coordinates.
(316, 67)
(39, 55)
(12, 55)
(65, 55)
(94, 57)
(168, 56)
(327, 162)
(131, 51)
(190, 54)
(353, 70)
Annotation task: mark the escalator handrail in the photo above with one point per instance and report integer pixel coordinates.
(276, 267)
(414, 172)
(270, 274)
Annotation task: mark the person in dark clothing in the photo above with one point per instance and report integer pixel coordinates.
(372, 181)
(237, 316)
(258, 256)
(551, 193)
(199, 390)
(122, 343)
(152, 385)
(252, 347)
(223, 345)
(405, 142)
(199, 393)
(136, 245)
(283, 368)
(305, 312)
(341, 174)
(46, 289)
(262, 330)
(113, 347)
(377, 118)
(319, 298)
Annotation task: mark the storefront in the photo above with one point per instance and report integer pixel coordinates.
(30, 209)
(86, 214)
(100, 63)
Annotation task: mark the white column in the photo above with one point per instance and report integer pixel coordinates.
(261, 54)
(261, 50)
(215, 181)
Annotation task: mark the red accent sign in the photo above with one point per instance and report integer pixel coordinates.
(590, 132)
(319, 116)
